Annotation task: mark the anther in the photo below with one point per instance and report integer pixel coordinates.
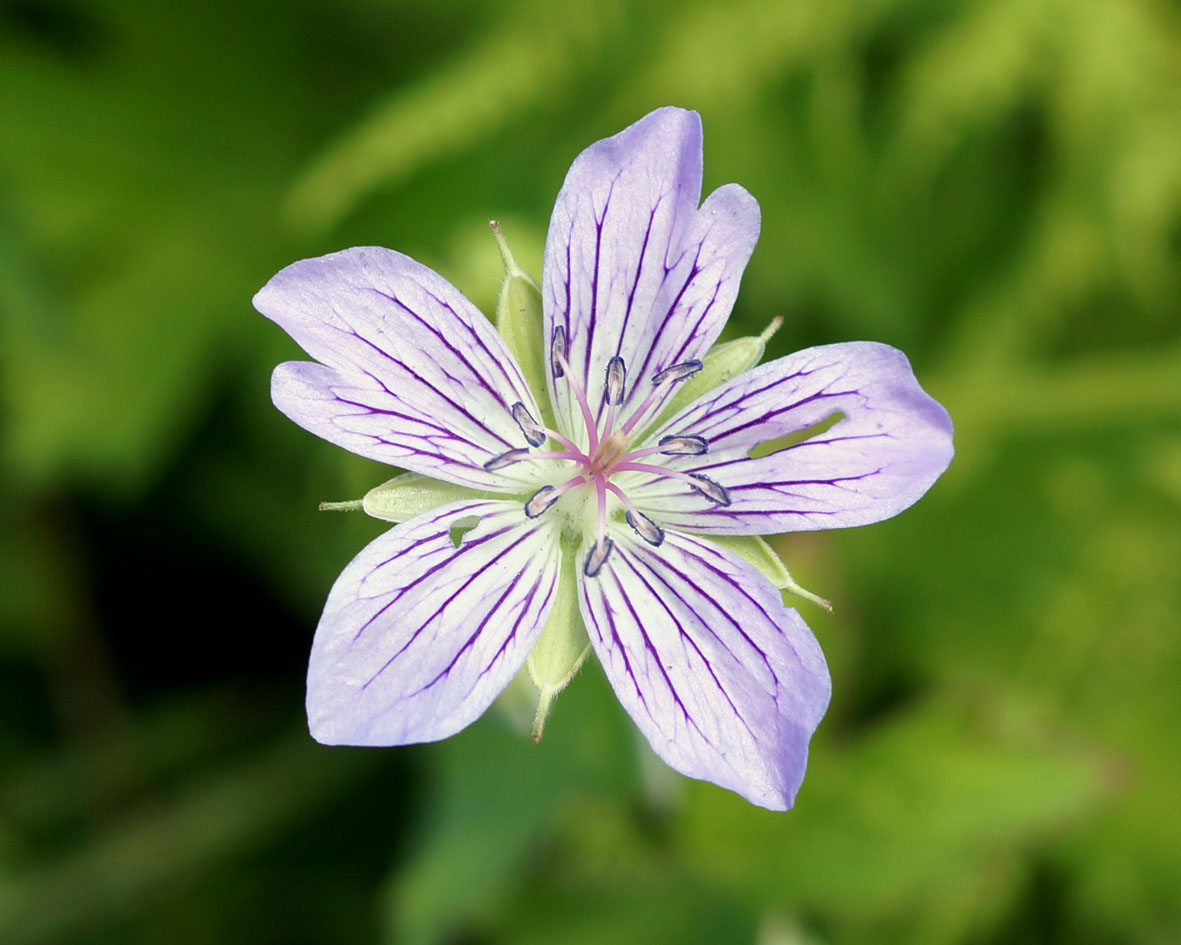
(683, 445)
(713, 491)
(598, 556)
(506, 459)
(645, 527)
(616, 375)
(530, 427)
(557, 351)
(678, 372)
(541, 500)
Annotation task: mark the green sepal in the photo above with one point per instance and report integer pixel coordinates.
(410, 494)
(563, 645)
(756, 552)
(519, 321)
(720, 363)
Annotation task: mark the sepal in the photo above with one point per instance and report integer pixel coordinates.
(403, 497)
(563, 645)
(756, 552)
(519, 321)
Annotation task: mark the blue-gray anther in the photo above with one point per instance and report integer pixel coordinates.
(683, 445)
(678, 372)
(645, 528)
(710, 489)
(530, 427)
(598, 556)
(541, 500)
(616, 375)
(506, 459)
(557, 351)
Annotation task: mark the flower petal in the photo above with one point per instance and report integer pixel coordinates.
(633, 268)
(891, 443)
(725, 682)
(421, 633)
(411, 374)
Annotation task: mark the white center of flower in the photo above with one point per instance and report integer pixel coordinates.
(608, 452)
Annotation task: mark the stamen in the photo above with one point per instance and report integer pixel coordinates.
(645, 527)
(557, 352)
(713, 491)
(507, 459)
(546, 496)
(541, 500)
(703, 484)
(661, 380)
(616, 375)
(533, 431)
(601, 494)
(598, 556)
(683, 445)
(678, 372)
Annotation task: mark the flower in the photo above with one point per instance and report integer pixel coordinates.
(625, 487)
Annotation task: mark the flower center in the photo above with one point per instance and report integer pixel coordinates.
(608, 451)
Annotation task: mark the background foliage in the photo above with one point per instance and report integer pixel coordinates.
(993, 185)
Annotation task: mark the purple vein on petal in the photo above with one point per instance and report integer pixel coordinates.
(620, 648)
(442, 607)
(631, 295)
(465, 548)
(738, 589)
(687, 637)
(524, 609)
(592, 318)
(431, 387)
(459, 354)
(655, 654)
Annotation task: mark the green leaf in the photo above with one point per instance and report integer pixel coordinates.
(467, 99)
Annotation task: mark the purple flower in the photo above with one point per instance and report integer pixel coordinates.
(619, 495)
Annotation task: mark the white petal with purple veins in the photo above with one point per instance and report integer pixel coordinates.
(890, 443)
(633, 267)
(411, 373)
(726, 683)
(429, 623)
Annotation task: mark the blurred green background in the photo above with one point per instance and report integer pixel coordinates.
(992, 185)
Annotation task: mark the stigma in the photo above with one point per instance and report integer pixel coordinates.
(611, 450)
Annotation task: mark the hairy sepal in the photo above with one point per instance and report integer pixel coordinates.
(519, 321)
(756, 552)
(406, 496)
(563, 645)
